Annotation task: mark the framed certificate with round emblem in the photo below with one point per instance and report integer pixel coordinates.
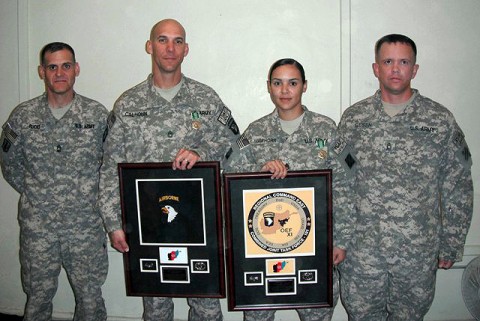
(279, 240)
(173, 224)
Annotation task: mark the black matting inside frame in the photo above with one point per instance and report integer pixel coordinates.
(173, 225)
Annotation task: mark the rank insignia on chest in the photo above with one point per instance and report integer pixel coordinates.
(389, 146)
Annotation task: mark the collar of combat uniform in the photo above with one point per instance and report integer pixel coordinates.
(276, 121)
(275, 112)
(46, 108)
(154, 98)
(378, 106)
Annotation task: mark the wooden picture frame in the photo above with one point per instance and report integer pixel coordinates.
(173, 224)
(279, 240)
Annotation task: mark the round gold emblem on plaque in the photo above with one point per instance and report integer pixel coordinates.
(279, 222)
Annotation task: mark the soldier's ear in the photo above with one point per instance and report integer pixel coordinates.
(41, 72)
(148, 47)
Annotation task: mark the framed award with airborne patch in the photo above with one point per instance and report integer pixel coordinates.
(279, 240)
(173, 224)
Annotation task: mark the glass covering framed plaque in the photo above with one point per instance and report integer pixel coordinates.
(279, 240)
(173, 224)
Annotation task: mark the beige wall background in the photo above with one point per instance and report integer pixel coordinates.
(232, 45)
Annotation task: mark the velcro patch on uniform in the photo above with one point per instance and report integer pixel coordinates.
(224, 116)
(350, 160)
(458, 138)
(464, 156)
(111, 120)
(227, 155)
(339, 146)
(9, 132)
(346, 157)
(233, 126)
(6, 144)
(462, 151)
(243, 141)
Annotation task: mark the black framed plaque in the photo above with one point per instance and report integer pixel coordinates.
(279, 240)
(173, 224)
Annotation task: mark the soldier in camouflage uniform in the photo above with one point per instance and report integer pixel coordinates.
(51, 154)
(410, 192)
(291, 135)
(168, 117)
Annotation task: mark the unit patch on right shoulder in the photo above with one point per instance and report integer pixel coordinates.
(9, 132)
(9, 136)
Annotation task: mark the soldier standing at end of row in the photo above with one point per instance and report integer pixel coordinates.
(51, 154)
(410, 190)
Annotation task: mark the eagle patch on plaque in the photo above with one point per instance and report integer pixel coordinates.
(279, 222)
(170, 211)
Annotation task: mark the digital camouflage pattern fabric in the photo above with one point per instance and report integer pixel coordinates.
(144, 127)
(411, 197)
(264, 140)
(54, 165)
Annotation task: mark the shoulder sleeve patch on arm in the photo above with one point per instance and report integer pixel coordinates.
(9, 133)
(230, 151)
(233, 126)
(339, 146)
(462, 150)
(224, 116)
(6, 145)
(9, 136)
(345, 155)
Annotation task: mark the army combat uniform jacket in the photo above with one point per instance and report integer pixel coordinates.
(308, 148)
(305, 149)
(264, 140)
(410, 188)
(54, 165)
(144, 127)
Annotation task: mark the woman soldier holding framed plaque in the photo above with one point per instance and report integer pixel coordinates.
(289, 138)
